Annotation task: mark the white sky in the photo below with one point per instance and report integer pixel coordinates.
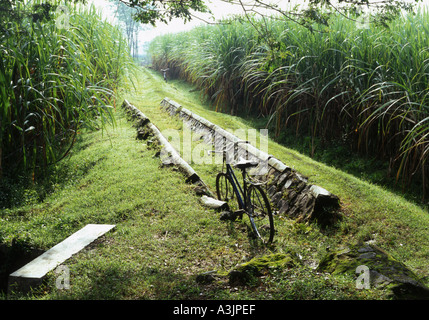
(219, 8)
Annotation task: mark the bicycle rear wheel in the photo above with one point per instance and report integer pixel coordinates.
(260, 214)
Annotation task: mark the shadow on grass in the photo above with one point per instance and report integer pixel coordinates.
(25, 189)
(116, 282)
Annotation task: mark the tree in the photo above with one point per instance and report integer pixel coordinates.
(151, 11)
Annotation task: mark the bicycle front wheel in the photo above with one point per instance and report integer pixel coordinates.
(260, 214)
(225, 190)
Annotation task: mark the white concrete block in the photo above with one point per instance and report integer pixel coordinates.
(34, 271)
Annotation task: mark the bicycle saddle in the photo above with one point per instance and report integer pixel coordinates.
(244, 164)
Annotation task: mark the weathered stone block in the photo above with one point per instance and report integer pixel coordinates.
(385, 272)
(33, 273)
(246, 272)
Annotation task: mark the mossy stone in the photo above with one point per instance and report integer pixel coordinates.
(246, 273)
(386, 272)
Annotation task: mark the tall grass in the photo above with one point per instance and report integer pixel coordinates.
(53, 82)
(367, 87)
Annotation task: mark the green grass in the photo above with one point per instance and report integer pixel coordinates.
(164, 237)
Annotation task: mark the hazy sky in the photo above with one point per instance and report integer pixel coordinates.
(219, 8)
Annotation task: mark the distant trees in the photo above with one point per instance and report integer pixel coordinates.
(131, 26)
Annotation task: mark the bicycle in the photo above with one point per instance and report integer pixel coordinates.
(251, 198)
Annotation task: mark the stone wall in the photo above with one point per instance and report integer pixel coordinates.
(169, 156)
(290, 192)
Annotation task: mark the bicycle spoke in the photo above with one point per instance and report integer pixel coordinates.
(254, 203)
(225, 190)
(260, 216)
(258, 209)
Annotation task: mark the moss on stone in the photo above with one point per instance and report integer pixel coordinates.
(272, 261)
(385, 271)
(247, 273)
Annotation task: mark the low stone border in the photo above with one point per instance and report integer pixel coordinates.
(289, 191)
(169, 155)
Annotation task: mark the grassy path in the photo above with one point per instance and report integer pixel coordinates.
(165, 237)
(369, 211)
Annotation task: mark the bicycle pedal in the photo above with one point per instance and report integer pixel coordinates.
(224, 215)
(228, 215)
(239, 213)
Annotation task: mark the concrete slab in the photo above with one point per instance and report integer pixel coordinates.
(213, 203)
(33, 272)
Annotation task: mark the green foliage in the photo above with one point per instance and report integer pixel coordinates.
(55, 79)
(150, 11)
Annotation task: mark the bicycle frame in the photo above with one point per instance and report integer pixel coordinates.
(241, 192)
